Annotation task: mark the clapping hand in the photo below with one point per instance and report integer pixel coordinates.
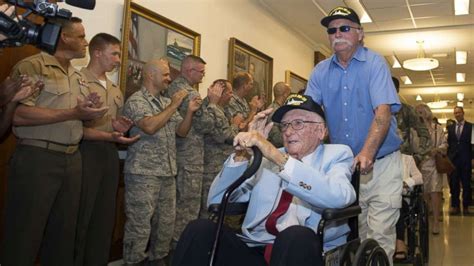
(85, 110)
(15, 90)
(195, 104)
(122, 124)
(94, 98)
(120, 138)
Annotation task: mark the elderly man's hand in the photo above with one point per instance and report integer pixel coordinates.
(259, 123)
(246, 140)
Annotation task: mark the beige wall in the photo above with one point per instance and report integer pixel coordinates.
(216, 21)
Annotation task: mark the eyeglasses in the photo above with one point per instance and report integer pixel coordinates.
(297, 124)
(341, 29)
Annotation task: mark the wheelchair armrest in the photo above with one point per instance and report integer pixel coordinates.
(233, 208)
(339, 214)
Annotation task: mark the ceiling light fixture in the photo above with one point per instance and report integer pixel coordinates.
(437, 103)
(461, 7)
(418, 98)
(406, 80)
(396, 64)
(461, 57)
(359, 9)
(442, 120)
(460, 77)
(420, 63)
(460, 96)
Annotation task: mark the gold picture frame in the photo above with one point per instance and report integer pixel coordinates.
(147, 35)
(296, 82)
(244, 58)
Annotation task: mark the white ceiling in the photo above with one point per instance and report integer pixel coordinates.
(394, 32)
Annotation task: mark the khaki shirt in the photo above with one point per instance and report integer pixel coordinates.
(152, 154)
(61, 89)
(111, 96)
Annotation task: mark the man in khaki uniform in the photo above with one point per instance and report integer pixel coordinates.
(100, 162)
(150, 167)
(281, 91)
(45, 172)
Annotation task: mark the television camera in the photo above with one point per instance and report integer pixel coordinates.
(20, 31)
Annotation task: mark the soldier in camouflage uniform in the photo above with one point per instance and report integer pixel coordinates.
(238, 108)
(218, 142)
(408, 119)
(150, 166)
(190, 150)
(281, 90)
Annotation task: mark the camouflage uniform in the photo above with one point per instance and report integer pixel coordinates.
(408, 118)
(275, 136)
(150, 188)
(190, 159)
(237, 106)
(217, 147)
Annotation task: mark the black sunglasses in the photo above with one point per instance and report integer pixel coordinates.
(341, 29)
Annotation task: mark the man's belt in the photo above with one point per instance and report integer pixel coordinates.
(63, 148)
(381, 157)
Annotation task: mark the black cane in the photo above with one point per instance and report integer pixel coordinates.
(250, 171)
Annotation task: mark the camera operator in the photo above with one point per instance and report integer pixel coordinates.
(44, 181)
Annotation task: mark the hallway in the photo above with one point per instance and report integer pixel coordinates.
(454, 246)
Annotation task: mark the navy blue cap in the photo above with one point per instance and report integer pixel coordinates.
(298, 101)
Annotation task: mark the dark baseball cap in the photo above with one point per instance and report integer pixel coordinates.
(298, 101)
(341, 12)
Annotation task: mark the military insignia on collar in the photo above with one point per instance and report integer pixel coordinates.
(83, 82)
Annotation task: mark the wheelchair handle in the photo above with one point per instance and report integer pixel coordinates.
(250, 171)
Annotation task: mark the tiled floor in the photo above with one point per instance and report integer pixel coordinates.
(454, 246)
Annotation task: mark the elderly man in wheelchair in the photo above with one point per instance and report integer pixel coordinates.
(285, 197)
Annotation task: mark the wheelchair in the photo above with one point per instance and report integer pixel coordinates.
(417, 228)
(353, 252)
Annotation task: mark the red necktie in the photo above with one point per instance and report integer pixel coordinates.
(270, 224)
(281, 209)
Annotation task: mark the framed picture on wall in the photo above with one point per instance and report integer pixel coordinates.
(296, 82)
(147, 35)
(244, 58)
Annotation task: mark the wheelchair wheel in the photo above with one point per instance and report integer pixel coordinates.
(424, 232)
(370, 253)
(348, 253)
